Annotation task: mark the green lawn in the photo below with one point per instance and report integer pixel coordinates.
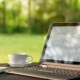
(31, 44)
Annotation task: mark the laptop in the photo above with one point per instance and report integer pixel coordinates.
(60, 59)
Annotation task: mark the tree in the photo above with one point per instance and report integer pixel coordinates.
(2, 16)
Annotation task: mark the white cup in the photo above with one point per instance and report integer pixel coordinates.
(19, 58)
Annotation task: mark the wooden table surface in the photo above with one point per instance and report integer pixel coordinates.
(7, 76)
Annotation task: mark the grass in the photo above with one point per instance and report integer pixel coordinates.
(31, 44)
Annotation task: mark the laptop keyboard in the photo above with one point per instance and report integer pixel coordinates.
(54, 70)
(46, 72)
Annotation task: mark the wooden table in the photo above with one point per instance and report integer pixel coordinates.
(7, 76)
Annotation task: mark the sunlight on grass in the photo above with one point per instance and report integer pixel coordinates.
(31, 44)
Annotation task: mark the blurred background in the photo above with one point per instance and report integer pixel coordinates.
(24, 24)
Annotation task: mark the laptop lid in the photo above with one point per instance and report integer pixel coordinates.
(62, 44)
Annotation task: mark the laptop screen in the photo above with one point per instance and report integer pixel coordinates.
(63, 43)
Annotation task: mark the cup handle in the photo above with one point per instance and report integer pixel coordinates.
(31, 58)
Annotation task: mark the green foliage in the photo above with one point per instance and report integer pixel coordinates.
(35, 15)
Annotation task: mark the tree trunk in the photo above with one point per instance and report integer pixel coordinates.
(29, 12)
(4, 16)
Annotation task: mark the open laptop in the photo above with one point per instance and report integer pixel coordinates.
(60, 58)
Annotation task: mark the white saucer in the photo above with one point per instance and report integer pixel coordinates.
(19, 65)
(2, 69)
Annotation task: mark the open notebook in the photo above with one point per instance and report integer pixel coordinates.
(60, 58)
